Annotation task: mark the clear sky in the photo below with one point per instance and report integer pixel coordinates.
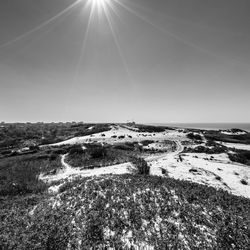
(144, 60)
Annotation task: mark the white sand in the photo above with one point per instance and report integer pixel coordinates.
(233, 133)
(235, 145)
(129, 135)
(205, 171)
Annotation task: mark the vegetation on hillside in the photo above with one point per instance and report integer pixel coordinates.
(124, 212)
(195, 137)
(20, 135)
(20, 175)
(209, 148)
(96, 155)
(234, 138)
(150, 129)
(240, 156)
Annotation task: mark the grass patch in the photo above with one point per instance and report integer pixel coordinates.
(99, 156)
(217, 136)
(240, 156)
(19, 175)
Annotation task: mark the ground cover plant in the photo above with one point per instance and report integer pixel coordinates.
(129, 211)
(240, 156)
(96, 155)
(18, 135)
(150, 129)
(196, 137)
(234, 138)
(209, 148)
(19, 175)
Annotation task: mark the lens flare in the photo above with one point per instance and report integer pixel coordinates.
(99, 5)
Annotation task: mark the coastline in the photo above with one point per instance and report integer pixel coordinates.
(207, 126)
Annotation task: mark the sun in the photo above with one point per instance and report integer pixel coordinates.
(99, 5)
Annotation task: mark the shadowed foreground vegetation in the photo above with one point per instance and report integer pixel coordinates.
(122, 212)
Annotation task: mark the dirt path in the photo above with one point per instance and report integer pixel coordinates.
(69, 172)
(178, 150)
(156, 169)
(64, 173)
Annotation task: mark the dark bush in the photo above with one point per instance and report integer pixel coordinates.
(193, 136)
(244, 182)
(21, 178)
(151, 129)
(164, 171)
(142, 166)
(217, 149)
(240, 156)
(76, 149)
(6, 152)
(98, 152)
(218, 178)
(36, 148)
(53, 157)
(192, 170)
(124, 146)
(147, 142)
(60, 151)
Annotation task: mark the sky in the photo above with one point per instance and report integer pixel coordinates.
(147, 61)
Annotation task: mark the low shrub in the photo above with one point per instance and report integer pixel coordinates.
(218, 178)
(98, 152)
(150, 129)
(21, 178)
(141, 165)
(147, 142)
(76, 149)
(244, 182)
(240, 156)
(217, 149)
(195, 137)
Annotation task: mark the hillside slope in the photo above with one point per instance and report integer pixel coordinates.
(130, 212)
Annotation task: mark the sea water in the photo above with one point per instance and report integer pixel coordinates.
(208, 126)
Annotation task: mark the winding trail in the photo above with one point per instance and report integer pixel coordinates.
(67, 167)
(178, 150)
(156, 169)
(64, 173)
(69, 172)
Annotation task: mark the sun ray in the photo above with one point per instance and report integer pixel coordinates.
(84, 42)
(112, 7)
(42, 25)
(167, 32)
(117, 43)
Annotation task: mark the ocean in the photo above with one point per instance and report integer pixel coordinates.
(208, 126)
